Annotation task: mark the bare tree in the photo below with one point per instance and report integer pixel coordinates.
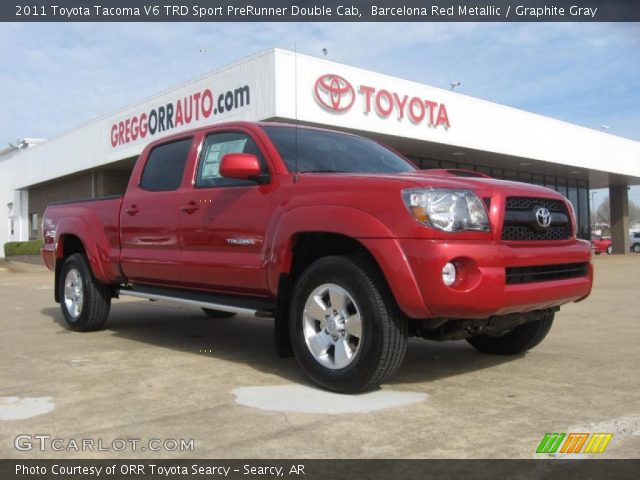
(603, 213)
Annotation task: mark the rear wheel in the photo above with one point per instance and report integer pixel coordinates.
(636, 248)
(610, 249)
(217, 313)
(515, 340)
(346, 331)
(84, 301)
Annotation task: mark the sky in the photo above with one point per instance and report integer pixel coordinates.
(58, 76)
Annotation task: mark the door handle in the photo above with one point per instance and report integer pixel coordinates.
(132, 210)
(190, 207)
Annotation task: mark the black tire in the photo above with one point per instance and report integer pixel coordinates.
(217, 313)
(93, 312)
(383, 337)
(636, 247)
(518, 340)
(609, 249)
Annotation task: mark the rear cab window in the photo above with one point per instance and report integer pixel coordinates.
(165, 166)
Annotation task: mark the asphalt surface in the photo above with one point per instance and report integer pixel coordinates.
(165, 372)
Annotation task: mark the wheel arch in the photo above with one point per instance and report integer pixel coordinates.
(68, 244)
(305, 248)
(75, 236)
(335, 230)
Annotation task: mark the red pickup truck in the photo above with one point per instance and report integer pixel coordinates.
(342, 241)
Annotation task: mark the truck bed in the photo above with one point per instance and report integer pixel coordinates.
(89, 217)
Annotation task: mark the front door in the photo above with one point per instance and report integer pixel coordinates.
(223, 222)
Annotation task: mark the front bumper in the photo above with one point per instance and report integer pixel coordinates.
(481, 289)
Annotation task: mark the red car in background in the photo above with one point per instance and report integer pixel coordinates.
(601, 244)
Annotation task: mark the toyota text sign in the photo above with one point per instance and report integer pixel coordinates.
(336, 95)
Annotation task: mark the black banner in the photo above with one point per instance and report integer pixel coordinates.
(317, 469)
(320, 11)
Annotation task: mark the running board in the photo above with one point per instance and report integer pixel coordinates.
(248, 307)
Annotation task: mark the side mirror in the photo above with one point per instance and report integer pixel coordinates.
(241, 166)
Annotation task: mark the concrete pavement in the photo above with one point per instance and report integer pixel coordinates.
(164, 372)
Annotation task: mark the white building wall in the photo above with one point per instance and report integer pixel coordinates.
(13, 201)
(474, 123)
(89, 146)
(283, 84)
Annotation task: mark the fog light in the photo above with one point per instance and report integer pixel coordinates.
(449, 274)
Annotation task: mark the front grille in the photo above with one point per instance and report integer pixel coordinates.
(516, 233)
(543, 273)
(525, 203)
(520, 220)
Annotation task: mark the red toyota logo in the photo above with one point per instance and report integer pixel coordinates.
(334, 93)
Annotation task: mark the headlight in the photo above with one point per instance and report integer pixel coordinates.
(447, 209)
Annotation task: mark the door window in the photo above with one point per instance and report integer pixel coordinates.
(216, 146)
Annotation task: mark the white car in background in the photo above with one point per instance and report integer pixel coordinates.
(634, 242)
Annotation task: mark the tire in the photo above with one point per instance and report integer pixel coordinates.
(217, 313)
(609, 249)
(85, 303)
(518, 340)
(636, 247)
(350, 355)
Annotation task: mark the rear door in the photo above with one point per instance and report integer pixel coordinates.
(223, 221)
(149, 218)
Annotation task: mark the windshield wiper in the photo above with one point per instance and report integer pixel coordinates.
(326, 170)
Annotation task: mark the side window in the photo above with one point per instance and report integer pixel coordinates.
(165, 166)
(216, 146)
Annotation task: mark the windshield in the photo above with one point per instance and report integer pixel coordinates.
(322, 151)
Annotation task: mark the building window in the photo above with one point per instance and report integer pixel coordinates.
(562, 186)
(583, 213)
(33, 225)
(427, 163)
(447, 164)
(538, 179)
(525, 177)
(550, 182)
(511, 175)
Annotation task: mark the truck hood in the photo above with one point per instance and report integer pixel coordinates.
(435, 179)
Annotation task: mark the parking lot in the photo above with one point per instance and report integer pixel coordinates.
(169, 373)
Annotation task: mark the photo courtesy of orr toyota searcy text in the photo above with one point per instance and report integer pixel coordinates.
(191, 108)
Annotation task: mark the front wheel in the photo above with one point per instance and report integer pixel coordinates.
(346, 331)
(84, 301)
(609, 249)
(516, 340)
(636, 248)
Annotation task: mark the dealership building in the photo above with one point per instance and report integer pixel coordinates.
(435, 128)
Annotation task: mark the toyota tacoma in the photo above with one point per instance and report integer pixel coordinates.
(349, 247)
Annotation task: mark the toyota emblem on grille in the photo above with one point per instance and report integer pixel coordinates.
(543, 217)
